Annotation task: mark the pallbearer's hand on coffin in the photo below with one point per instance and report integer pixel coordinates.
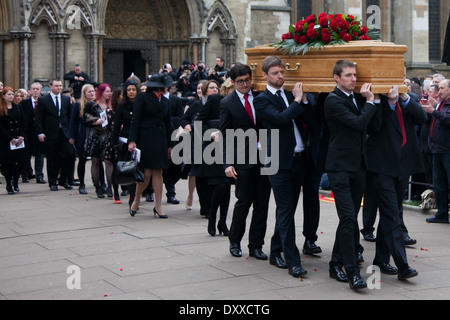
(393, 95)
(366, 93)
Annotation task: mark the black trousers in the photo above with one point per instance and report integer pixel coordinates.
(286, 186)
(348, 190)
(311, 203)
(251, 189)
(60, 155)
(390, 239)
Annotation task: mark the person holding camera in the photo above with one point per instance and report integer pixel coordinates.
(77, 79)
(199, 73)
(219, 74)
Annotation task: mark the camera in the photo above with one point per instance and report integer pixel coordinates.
(200, 68)
(223, 73)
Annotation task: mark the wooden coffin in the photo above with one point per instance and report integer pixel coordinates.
(379, 63)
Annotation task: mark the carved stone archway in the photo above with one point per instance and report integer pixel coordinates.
(159, 30)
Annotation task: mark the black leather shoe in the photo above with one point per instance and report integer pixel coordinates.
(437, 219)
(150, 198)
(409, 241)
(407, 273)
(53, 188)
(258, 254)
(370, 237)
(278, 262)
(357, 283)
(359, 258)
(297, 272)
(173, 200)
(309, 247)
(40, 181)
(235, 250)
(386, 268)
(82, 189)
(66, 186)
(337, 273)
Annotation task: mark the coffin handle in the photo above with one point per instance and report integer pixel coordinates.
(288, 65)
(253, 66)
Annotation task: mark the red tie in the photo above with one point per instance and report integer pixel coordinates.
(248, 108)
(434, 118)
(400, 119)
(35, 105)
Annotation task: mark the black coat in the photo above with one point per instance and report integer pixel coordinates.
(384, 146)
(150, 129)
(347, 127)
(49, 121)
(275, 116)
(12, 126)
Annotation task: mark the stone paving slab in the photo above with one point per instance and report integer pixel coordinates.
(43, 233)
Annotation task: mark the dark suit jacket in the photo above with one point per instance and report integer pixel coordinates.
(274, 115)
(384, 146)
(347, 127)
(48, 120)
(234, 116)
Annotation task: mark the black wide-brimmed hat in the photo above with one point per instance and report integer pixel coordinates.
(159, 80)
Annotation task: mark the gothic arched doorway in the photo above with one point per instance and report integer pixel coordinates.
(142, 35)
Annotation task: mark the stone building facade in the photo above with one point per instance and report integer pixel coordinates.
(44, 39)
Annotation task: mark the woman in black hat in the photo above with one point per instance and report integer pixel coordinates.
(150, 133)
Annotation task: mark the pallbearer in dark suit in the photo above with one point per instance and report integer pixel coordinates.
(283, 113)
(347, 117)
(252, 188)
(52, 123)
(387, 176)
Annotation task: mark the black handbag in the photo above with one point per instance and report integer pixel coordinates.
(128, 172)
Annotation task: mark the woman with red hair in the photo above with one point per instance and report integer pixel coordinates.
(97, 134)
(13, 151)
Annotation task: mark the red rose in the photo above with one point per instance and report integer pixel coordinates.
(350, 18)
(364, 29)
(339, 17)
(304, 39)
(311, 19)
(299, 26)
(326, 36)
(286, 36)
(347, 38)
(344, 25)
(296, 38)
(334, 25)
(323, 22)
(311, 33)
(365, 37)
(342, 34)
(322, 15)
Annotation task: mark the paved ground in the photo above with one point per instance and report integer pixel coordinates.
(44, 233)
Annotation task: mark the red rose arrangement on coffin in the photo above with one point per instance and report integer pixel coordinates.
(315, 44)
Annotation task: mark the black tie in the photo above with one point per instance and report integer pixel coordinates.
(57, 104)
(278, 94)
(351, 97)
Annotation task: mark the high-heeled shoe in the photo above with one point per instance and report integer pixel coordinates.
(161, 216)
(132, 213)
(212, 227)
(223, 230)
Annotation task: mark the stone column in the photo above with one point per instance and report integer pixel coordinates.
(59, 53)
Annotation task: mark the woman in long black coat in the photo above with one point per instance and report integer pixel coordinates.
(12, 135)
(150, 133)
(217, 182)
